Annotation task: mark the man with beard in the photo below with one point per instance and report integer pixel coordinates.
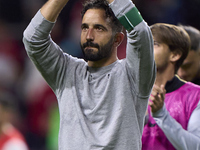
(102, 102)
(174, 107)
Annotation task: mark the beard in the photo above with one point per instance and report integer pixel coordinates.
(102, 51)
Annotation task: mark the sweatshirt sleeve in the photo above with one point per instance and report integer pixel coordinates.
(139, 49)
(181, 139)
(43, 52)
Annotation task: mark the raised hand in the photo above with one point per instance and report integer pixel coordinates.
(52, 9)
(157, 98)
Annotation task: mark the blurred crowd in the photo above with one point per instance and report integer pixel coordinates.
(36, 118)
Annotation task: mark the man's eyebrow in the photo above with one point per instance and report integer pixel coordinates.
(84, 25)
(100, 25)
(95, 26)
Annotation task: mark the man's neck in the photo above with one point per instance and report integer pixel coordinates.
(163, 77)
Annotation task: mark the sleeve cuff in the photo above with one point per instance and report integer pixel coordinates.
(160, 113)
(127, 13)
(131, 19)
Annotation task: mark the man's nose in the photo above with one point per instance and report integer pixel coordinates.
(90, 35)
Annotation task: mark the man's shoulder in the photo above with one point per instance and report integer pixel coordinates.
(190, 89)
(190, 85)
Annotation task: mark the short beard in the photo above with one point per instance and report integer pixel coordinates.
(102, 52)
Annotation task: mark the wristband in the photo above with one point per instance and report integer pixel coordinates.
(131, 19)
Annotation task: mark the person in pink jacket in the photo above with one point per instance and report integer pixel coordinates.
(172, 119)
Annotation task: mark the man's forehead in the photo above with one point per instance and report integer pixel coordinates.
(95, 16)
(96, 11)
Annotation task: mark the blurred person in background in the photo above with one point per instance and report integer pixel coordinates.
(10, 57)
(172, 120)
(39, 101)
(11, 70)
(10, 137)
(190, 69)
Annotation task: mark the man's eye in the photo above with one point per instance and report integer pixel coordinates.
(84, 28)
(99, 29)
(156, 43)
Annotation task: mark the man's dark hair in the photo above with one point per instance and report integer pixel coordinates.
(175, 37)
(194, 36)
(103, 4)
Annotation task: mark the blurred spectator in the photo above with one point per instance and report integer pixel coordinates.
(10, 57)
(40, 101)
(10, 136)
(190, 69)
(11, 67)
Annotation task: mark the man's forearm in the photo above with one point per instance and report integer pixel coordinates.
(179, 137)
(52, 8)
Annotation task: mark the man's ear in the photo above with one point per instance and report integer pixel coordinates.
(175, 56)
(118, 38)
